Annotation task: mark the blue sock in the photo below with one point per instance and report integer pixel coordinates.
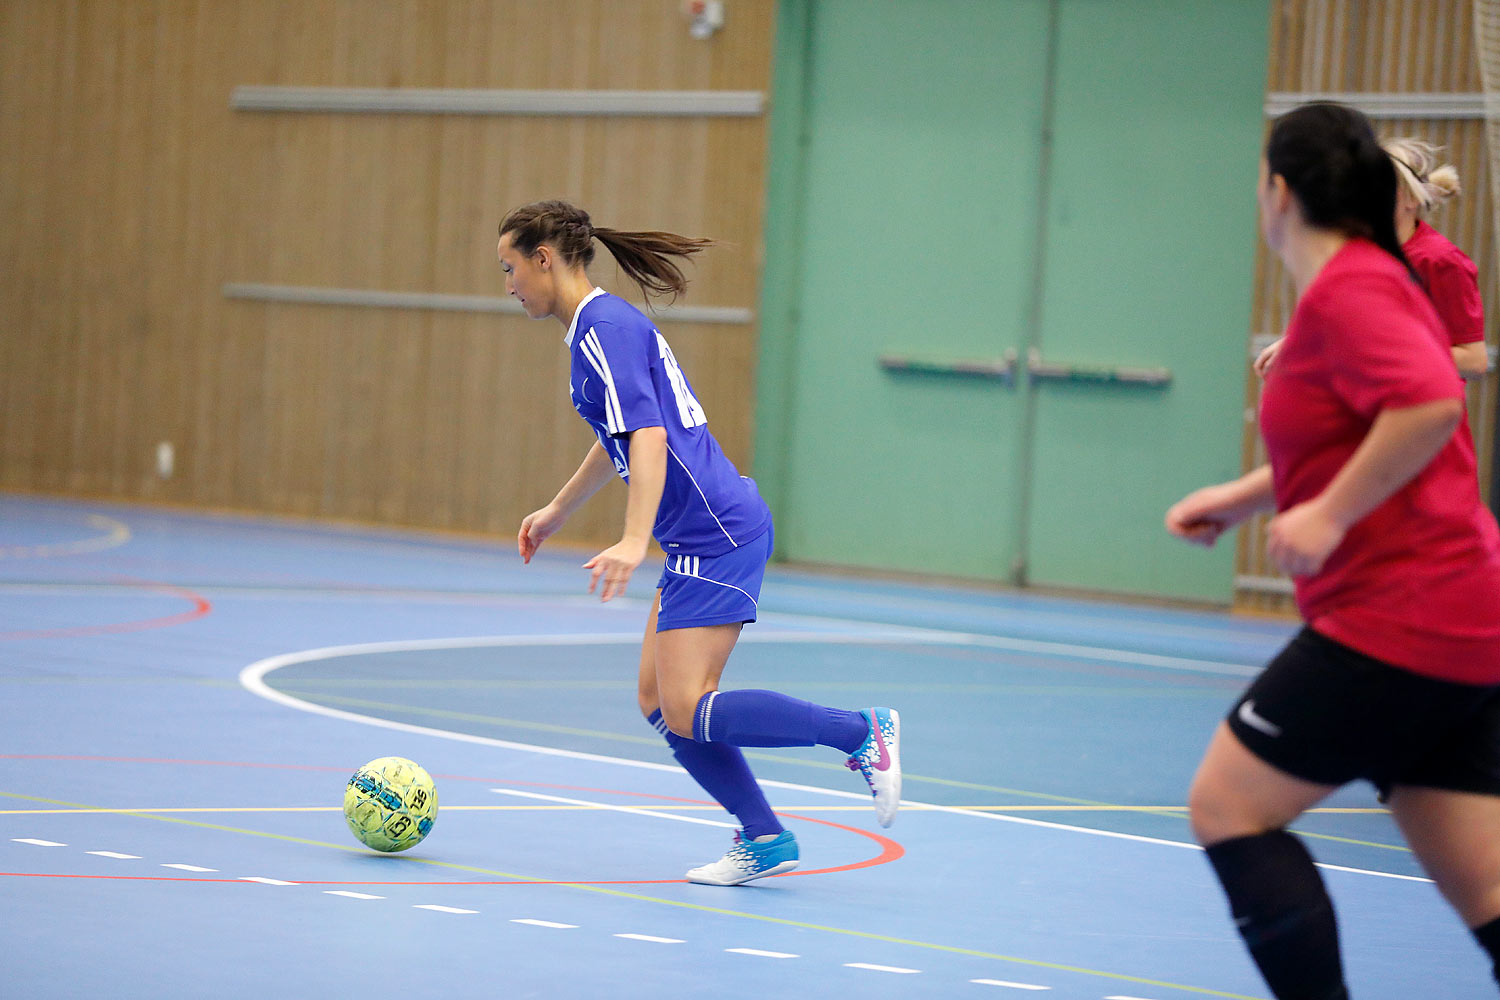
(768, 719)
(723, 773)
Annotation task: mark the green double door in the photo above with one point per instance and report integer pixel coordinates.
(1066, 185)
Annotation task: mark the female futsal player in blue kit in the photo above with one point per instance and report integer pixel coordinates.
(711, 522)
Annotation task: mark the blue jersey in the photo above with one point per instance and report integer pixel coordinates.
(623, 377)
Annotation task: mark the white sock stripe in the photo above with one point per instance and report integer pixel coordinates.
(706, 711)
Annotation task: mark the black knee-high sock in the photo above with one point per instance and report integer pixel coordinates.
(1489, 939)
(1284, 914)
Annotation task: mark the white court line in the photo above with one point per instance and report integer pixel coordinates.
(190, 868)
(351, 895)
(264, 881)
(651, 937)
(441, 909)
(252, 678)
(761, 954)
(545, 923)
(1014, 986)
(37, 843)
(613, 808)
(114, 854)
(882, 968)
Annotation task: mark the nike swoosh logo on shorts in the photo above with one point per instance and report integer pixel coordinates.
(1256, 721)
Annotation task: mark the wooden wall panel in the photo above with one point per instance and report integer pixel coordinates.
(1384, 47)
(133, 193)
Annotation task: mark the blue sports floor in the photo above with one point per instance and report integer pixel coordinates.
(183, 696)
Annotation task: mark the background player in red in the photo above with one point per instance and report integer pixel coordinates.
(1447, 274)
(653, 433)
(1396, 563)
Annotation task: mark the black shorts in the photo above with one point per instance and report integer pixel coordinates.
(1329, 714)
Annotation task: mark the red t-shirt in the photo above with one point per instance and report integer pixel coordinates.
(1452, 282)
(1416, 583)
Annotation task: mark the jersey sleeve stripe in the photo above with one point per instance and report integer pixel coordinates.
(614, 418)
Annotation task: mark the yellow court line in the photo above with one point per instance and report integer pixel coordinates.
(699, 907)
(538, 807)
(1065, 802)
(116, 534)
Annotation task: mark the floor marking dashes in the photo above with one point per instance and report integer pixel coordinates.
(1014, 986)
(650, 938)
(441, 909)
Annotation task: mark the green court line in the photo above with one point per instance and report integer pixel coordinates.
(698, 907)
(524, 724)
(489, 720)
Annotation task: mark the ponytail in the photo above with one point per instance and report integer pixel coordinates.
(1344, 181)
(645, 256)
(1417, 167)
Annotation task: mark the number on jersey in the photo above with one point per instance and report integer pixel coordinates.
(688, 407)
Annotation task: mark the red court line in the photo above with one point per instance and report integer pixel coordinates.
(890, 850)
(201, 607)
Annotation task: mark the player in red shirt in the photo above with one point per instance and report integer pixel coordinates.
(1450, 278)
(1395, 677)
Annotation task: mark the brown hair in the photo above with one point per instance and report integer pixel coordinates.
(645, 256)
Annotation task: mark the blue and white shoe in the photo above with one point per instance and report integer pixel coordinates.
(879, 760)
(749, 859)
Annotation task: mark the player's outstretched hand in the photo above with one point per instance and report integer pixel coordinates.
(614, 565)
(536, 527)
(1301, 538)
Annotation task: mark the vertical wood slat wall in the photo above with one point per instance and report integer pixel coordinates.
(132, 193)
(1380, 47)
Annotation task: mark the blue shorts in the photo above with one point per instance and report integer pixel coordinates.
(697, 591)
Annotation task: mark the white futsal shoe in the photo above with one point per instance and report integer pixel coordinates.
(749, 859)
(879, 760)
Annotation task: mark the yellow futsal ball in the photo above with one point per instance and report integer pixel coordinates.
(390, 804)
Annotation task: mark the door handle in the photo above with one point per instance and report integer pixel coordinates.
(1039, 370)
(1001, 369)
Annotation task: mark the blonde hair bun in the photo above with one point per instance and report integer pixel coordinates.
(1421, 174)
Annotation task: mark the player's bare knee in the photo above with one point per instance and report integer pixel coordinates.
(677, 713)
(678, 719)
(1211, 814)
